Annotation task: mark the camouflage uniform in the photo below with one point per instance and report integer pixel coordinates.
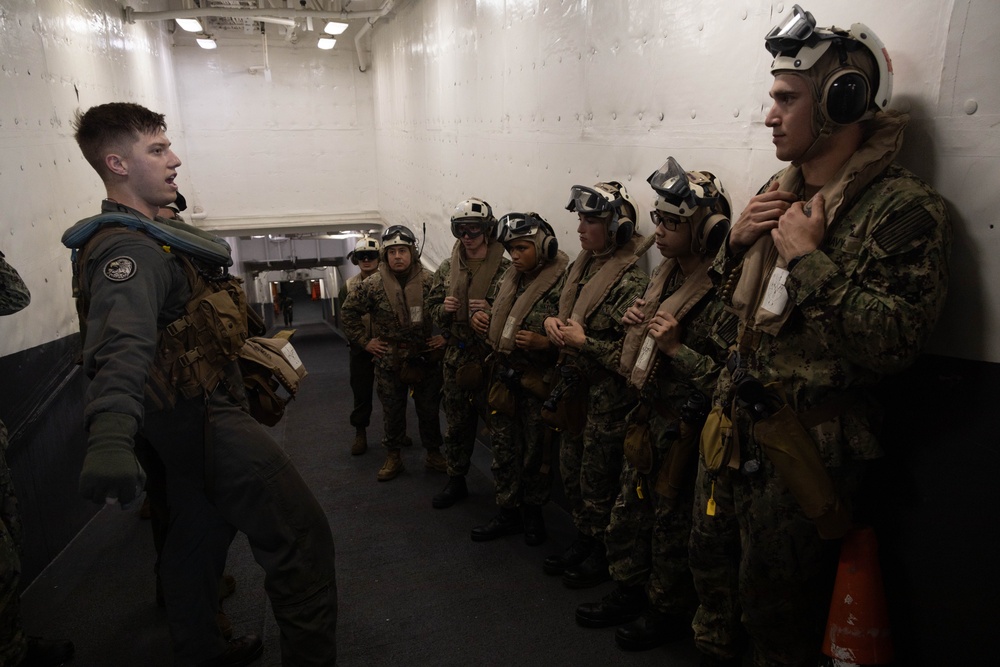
(405, 346)
(522, 444)
(461, 407)
(362, 368)
(13, 644)
(591, 463)
(647, 539)
(862, 308)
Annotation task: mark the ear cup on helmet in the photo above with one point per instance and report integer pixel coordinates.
(711, 234)
(624, 231)
(550, 246)
(846, 96)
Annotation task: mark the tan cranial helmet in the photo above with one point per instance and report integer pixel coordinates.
(849, 71)
(610, 201)
(366, 244)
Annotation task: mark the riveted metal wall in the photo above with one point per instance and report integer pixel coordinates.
(57, 56)
(517, 100)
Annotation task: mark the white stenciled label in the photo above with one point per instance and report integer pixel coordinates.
(291, 356)
(776, 296)
(508, 328)
(645, 353)
(416, 314)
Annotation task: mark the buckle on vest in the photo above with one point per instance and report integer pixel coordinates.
(177, 326)
(190, 357)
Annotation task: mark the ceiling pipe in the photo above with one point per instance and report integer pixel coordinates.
(386, 8)
(131, 16)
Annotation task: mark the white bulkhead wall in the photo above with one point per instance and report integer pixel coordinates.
(510, 100)
(515, 101)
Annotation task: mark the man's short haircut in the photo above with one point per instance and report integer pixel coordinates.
(112, 128)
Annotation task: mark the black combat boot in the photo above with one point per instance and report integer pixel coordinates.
(507, 522)
(534, 526)
(452, 492)
(591, 572)
(654, 628)
(574, 554)
(621, 605)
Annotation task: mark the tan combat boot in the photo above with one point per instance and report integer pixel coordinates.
(435, 461)
(393, 466)
(360, 445)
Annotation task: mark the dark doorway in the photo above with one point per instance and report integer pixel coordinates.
(305, 308)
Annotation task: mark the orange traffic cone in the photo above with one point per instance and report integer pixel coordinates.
(857, 631)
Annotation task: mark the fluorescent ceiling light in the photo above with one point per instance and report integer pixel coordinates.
(334, 27)
(207, 42)
(189, 25)
(326, 43)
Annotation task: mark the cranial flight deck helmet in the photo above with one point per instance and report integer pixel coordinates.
(400, 235)
(610, 201)
(697, 198)
(530, 227)
(850, 70)
(474, 211)
(365, 244)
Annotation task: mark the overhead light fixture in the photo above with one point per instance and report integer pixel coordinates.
(189, 25)
(334, 27)
(326, 43)
(207, 42)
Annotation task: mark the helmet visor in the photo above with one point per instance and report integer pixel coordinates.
(588, 201)
(398, 232)
(366, 255)
(790, 33)
(671, 182)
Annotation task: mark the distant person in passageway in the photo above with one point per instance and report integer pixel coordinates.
(362, 365)
(16, 648)
(407, 354)
(288, 309)
(465, 284)
(162, 322)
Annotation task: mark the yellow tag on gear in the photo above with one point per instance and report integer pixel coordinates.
(710, 509)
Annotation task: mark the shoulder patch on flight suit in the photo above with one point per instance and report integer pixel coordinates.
(120, 269)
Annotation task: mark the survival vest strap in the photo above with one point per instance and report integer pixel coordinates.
(192, 352)
(268, 364)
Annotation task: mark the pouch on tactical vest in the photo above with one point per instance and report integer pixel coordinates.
(796, 459)
(268, 364)
(638, 446)
(469, 376)
(676, 471)
(533, 380)
(717, 440)
(501, 399)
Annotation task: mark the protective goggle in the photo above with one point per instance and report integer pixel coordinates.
(589, 202)
(366, 255)
(398, 231)
(517, 225)
(472, 230)
(671, 182)
(669, 222)
(791, 33)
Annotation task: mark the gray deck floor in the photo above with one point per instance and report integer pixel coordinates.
(413, 588)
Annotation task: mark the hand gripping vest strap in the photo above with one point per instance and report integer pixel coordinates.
(179, 236)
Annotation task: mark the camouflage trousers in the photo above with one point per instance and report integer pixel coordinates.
(426, 398)
(762, 573)
(591, 466)
(13, 643)
(362, 368)
(647, 537)
(522, 450)
(461, 411)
